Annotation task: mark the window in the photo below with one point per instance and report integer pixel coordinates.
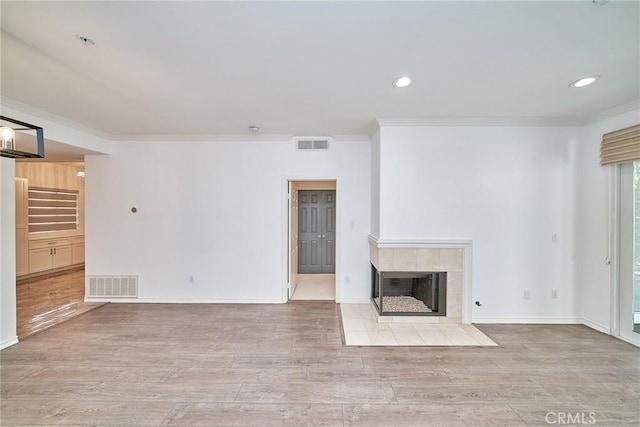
(52, 210)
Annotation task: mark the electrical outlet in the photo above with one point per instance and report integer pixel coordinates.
(527, 294)
(554, 294)
(554, 238)
(347, 279)
(192, 279)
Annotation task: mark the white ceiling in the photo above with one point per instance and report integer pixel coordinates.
(315, 68)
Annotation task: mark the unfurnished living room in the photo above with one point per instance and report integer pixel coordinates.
(320, 213)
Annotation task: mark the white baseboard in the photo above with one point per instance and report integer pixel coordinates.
(186, 300)
(598, 327)
(9, 342)
(355, 301)
(541, 320)
(634, 340)
(630, 341)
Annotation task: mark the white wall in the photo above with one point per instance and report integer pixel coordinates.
(214, 210)
(505, 188)
(53, 130)
(375, 185)
(8, 332)
(593, 275)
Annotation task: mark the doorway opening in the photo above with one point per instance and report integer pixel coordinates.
(625, 252)
(50, 244)
(312, 240)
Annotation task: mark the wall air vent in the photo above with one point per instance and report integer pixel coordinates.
(312, 143)
(112, 287)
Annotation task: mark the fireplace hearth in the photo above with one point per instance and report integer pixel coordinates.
(397, 293)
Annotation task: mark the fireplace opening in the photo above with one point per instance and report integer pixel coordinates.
(412, 293)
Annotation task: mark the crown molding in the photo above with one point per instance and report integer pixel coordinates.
(233, 137)
(615, 111)
(483, 121)
(199, 137)
(28, 109)
(352, 138)
(511, 121)
(426, 121)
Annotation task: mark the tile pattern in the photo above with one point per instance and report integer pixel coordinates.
(286, 365)
(362, 327)
(449, 260)
(315, 287)
(416, 259)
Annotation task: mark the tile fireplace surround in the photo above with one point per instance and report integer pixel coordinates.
(450, 256)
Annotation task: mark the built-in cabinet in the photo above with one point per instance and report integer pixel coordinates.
(77, 249)
(38, 253)
(49, 254)
(22, 233)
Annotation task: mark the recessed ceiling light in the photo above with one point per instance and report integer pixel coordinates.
(85, 40)
(403, 81)
(254, 129)
(585, 81)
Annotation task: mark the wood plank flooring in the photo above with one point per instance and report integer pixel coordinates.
(286, 365)
(48, 300)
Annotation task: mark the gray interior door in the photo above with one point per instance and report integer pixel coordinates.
(316, 231)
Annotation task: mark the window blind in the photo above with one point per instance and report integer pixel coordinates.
(52, 210)
(621, 146)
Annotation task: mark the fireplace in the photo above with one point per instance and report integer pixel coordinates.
(397, 293)
(407, 262)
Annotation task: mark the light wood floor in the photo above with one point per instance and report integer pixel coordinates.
(285, 365)
(45, 301)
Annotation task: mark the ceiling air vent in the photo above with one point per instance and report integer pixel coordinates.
(306, 143)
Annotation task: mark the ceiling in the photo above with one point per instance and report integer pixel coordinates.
(314, 68)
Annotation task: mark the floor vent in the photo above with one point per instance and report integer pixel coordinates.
(112, 287)
(312, 143)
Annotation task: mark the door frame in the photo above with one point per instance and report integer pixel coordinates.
(287, 183)
(613, 258)
(613, 221)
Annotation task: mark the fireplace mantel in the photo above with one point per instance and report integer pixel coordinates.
(451, 256)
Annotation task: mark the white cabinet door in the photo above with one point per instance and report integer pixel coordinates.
(40, 259)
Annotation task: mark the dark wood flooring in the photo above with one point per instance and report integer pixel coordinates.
(286, 365)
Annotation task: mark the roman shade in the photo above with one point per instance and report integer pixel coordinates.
(52, 210)
(621, 146)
